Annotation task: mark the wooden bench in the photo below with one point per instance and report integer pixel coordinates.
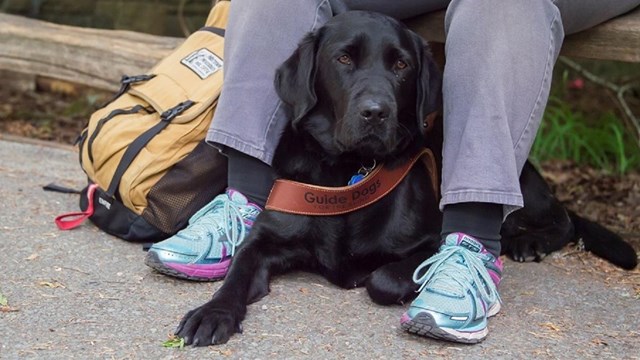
(98, 58)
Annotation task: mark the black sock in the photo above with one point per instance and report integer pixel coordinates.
(479, 220)
(250, 176)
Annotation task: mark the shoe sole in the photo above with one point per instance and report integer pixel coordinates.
(153, 261)
(424, 324)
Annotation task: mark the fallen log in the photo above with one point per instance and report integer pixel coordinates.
(93, 57)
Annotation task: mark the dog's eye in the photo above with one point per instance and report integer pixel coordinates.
(345, 60)
(401, 64)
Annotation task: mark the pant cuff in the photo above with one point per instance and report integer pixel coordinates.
(510, 201)
(220, 140)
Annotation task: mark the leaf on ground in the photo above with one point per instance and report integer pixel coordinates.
(4, 305)
(598, 341)
(225, 353)
(52, 284)
(550, 326)
(174, 342)
(7, 309)
(32, 257)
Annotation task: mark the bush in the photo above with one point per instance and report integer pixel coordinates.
(567, 134)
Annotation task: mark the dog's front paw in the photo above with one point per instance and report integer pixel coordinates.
(527, 248)
(209, 324)
(387, 286)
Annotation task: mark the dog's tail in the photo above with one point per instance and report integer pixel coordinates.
(603, 242)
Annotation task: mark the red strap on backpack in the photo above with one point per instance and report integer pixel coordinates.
(77, 217)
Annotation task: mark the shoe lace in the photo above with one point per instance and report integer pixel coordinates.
(228, 222)
(455, 268)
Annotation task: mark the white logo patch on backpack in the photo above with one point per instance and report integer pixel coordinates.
(202, 62)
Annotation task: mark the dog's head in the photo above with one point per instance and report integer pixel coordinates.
(363, 83)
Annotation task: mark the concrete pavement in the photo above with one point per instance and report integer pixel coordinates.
(82, 294)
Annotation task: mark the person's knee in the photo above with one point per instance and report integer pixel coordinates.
(515, 15)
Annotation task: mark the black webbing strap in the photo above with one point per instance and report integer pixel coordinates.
(215, 30)
(125, 84)
(141, 141)
(60, 189)
(102, 121)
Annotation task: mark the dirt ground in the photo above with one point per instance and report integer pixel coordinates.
(55, 113)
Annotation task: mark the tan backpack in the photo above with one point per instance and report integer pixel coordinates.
(144, 154)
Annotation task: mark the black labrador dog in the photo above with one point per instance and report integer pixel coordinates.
(358, 90)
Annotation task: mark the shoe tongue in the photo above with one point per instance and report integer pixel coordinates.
(465, 241)
(237, 197)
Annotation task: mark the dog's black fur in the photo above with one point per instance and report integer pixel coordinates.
(359, 88)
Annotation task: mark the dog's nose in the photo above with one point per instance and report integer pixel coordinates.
(374, 111)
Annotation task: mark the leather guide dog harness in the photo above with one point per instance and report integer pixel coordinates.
(305, 199)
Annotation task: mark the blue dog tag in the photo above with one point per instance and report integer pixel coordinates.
(355, 179)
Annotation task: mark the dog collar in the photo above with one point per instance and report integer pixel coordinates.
(305, 199)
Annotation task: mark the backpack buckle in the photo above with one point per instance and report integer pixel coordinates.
(126, 80)
(171, 114)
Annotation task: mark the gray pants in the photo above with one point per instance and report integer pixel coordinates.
(500, 57)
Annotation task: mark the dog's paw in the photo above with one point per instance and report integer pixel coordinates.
(208, 325)
(387, 287)
(526, 255)
(526, 249)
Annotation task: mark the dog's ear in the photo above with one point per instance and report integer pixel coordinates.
(295, 78)
(429, 84)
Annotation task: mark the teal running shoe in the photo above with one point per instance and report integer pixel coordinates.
(458, 292)
(202, 251)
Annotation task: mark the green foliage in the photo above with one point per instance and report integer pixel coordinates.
(82, 105)
(567, 134)
(174, 342)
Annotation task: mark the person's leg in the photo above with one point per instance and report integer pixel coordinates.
(249, 116)
(500, 105)
(500, 57)
(260, 35)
